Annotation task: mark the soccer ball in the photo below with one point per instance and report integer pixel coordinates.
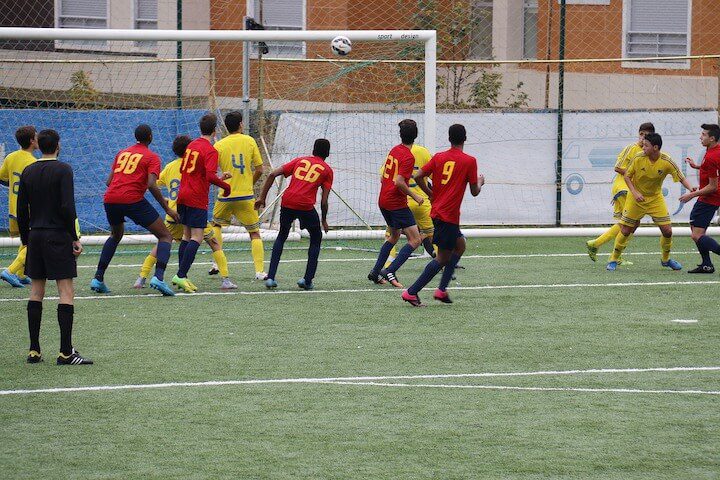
(341, 45)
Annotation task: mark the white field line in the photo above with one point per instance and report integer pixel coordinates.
(353, 380)
(529, 389)
(684, 321)
(382, 290)
(344, 260)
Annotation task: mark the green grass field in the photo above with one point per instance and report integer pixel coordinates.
(521, 306)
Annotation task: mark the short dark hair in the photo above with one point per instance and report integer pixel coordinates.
(180, 145)
(654, 139)
(208, 123)
(408, 131)
(143, 133)
(25, 135)
(457, 134)
(321, 148)
(713, 130)
(647, 127)
(48, 141)
(233, 120)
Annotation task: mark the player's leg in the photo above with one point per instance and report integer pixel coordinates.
(244, 211)
(287, 216)
(116, 219)
(162, 255)
(188, 258)
(311, 222)
(65, 313)
(445, 246)
(146, 267)
(386, 247)
(629, 221)
(34, 315)
(700, 218)
(449, 269)
(219, 258)
(15, 273)
(393, 250)
(404, 219)
(657, 209)
(222, 216)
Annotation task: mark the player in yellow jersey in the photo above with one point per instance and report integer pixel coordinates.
(10, 172)
(619, 192)
(239, 154)
(170, 179)
(644, 178)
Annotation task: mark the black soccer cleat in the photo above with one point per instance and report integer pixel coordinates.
(73, 359)
(34, 357)
(376, 278)
(703, 269)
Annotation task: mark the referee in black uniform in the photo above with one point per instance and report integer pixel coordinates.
(46, 218)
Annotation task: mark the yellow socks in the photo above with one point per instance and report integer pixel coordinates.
(17, 267)
(621, 241)
(217, 229)
(665, 246)
(609, 234)
(258, 254)
(221, 262)
(147, 265)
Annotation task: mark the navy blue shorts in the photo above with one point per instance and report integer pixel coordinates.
(398, 219)
(308, 218)
(192, 217)
(702, 214)
(141, 213)
(446, 234)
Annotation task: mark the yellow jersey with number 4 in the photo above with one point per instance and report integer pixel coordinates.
(10, 172)
(623, 161)
(239, 154)
(648, 176)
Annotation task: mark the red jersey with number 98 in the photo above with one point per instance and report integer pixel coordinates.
(130, 174)
(308, 174)
(451, 170)
(400, 161)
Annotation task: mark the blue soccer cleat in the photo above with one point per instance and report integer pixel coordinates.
(674, 264)
(162, 287)
(304, 285)
(25, 280)
(11, 279)
(270, 283)
(611, 266)
(98, 286)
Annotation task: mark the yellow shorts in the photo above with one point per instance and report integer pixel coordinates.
(243, 210)
(654, 206)
(619, 204)
(422, 216)
(176, 230)
(13, 227)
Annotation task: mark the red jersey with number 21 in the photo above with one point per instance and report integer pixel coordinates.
(199, 170)
(131, 168)
(451, 170)
(400, 161)
(308, 174)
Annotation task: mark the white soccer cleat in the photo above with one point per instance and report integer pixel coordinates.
(260, 275)
(227, 285)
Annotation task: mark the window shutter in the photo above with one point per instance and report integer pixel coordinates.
(286, 14)
(146, 10)
(658, 28)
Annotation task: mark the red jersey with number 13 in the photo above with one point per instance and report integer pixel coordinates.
(400, 161)
(131, 168)
(308, 174)
(451, 170)
(198, 169)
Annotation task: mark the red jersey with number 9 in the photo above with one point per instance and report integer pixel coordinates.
(198, 169)
(400, 161)
(308, 174)
(451, 170)
(130, 174)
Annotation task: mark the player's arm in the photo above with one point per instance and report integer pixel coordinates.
(708, 189)
(257, 173)
(211, 166)
(419, 177)
(401, 184)
(325, 206)
(23, 212)
(692, 163)
(260, 202)
(154, 189)
(621, 160)
(476, 187)
(631, 186)
(4, 174)
(256, 162)
(67, 204)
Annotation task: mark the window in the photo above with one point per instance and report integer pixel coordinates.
(481, 35)
(656, 28)
(81, 14)
(530, 28)
(279, 15)
(146, 18)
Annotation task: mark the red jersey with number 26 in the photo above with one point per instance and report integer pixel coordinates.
(130, 174)
(308, 174)
(709, 169)
(400, 161)
(199, 169)
(451, 170)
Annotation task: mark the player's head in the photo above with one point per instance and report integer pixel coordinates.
(233, 121)
(710, 134)
(143, 134)
(457, 135)
(208, 124)
(25, 136)
(321, 148)
(180, 145)
(48, 142)
(643, 130)
(652, 143)
(408, 131)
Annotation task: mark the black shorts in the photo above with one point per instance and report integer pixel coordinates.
(50, 255)
(398, 219)
(192, 217)
(308, 218)
(446, 234)
(141, 213)
(702, 214)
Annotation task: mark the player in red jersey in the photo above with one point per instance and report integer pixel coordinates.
(298, 202)
(451, 171)
(135, 170)
(708, 197)
(394, 191)
(198, 169)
